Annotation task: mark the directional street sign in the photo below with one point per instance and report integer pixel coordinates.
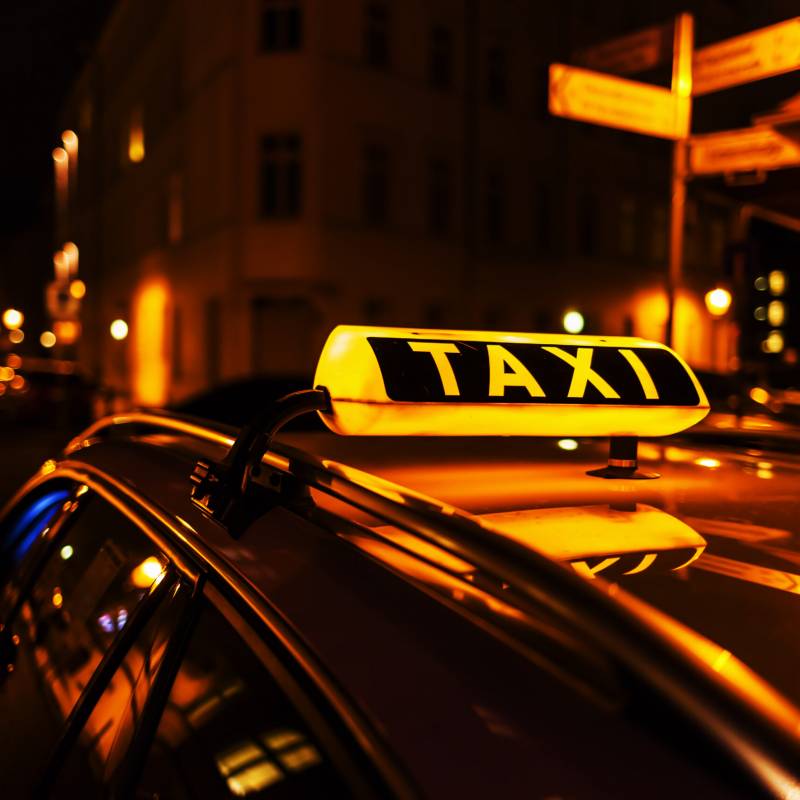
(746, 150)
(627, 55)
(617, 103)
(750, 57)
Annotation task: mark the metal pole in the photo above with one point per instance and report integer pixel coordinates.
(683, 45)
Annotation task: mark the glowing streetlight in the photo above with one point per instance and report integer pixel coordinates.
(573, 322)
(13, 319)
(47, 339)
(16, 336)
(77, 289)
(718, 301)
(70, 250)
(119, 329)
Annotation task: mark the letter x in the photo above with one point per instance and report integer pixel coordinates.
(582, 372)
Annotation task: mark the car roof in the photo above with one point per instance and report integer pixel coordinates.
(747, 560)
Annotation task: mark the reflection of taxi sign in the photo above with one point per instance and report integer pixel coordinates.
(396, 381)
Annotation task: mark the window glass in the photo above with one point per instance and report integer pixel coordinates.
(229, 731)
(376, 34)
(281, 176)
(26, 525)
(98, 572)
(281, 25)
(107, 733)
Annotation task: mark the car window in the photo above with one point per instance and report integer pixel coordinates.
(104, 739)
(98, 571)
(27, 523)
(228, 730)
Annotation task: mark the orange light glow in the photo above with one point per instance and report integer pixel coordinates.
(77, 289)
(349, 369)
(71, 253)
(57, 598)
(14, 361)
(67, 331)
(16, 336)
(48, 339)
(776, 313)
(777, 282)
(718, 301)
(146, 573)
(7, 374)
(61, 266)
(759, 395)
(118, 329)
(18, 383)
(708, 463)
(70, 140)
(13, 319)
(136, 137)
(150, 363)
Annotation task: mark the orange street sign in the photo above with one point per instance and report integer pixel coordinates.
(627, 55)
(750, 57)
(617, 103)
(758, 148)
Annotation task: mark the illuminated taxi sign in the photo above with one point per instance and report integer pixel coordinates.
(396, 381)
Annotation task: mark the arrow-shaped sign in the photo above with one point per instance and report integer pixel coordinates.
(759, 54)
(617, 102)
(749, 149)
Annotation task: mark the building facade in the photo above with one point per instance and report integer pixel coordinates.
(251, 173)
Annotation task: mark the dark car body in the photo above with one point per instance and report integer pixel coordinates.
(407, 646)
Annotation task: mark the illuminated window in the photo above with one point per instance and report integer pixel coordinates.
(497, 77)
(375, 185)
(496, 205)
(440, 196)
(440, 57)
(281, 25)
(281, 176)
(136, 136)
(376, 35)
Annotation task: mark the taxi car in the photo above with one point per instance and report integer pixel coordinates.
(456, 597)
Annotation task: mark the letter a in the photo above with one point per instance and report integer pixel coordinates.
(499, 358)
(439, 351)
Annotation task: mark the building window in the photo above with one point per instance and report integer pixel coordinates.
(496, 77)
(496, 206)
(376, 34)
(281, 25)
(281, 176)
(440, 58)
(440, 196)
(375, 185)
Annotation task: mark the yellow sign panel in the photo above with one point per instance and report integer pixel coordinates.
(629, 54)
(411, 381)
(750, 57)
(757, 148)
(617, 102)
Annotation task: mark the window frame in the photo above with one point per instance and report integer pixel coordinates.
(368, 762)
(180, 571)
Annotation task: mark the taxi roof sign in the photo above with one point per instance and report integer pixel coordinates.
(412, 381)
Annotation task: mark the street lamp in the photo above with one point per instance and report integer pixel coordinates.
(718, 301)
(13, 319)
(119, 329)
(573, 322)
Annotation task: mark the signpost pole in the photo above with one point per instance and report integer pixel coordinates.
(682, 87)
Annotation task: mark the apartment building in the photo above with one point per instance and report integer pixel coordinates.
(251, 173)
